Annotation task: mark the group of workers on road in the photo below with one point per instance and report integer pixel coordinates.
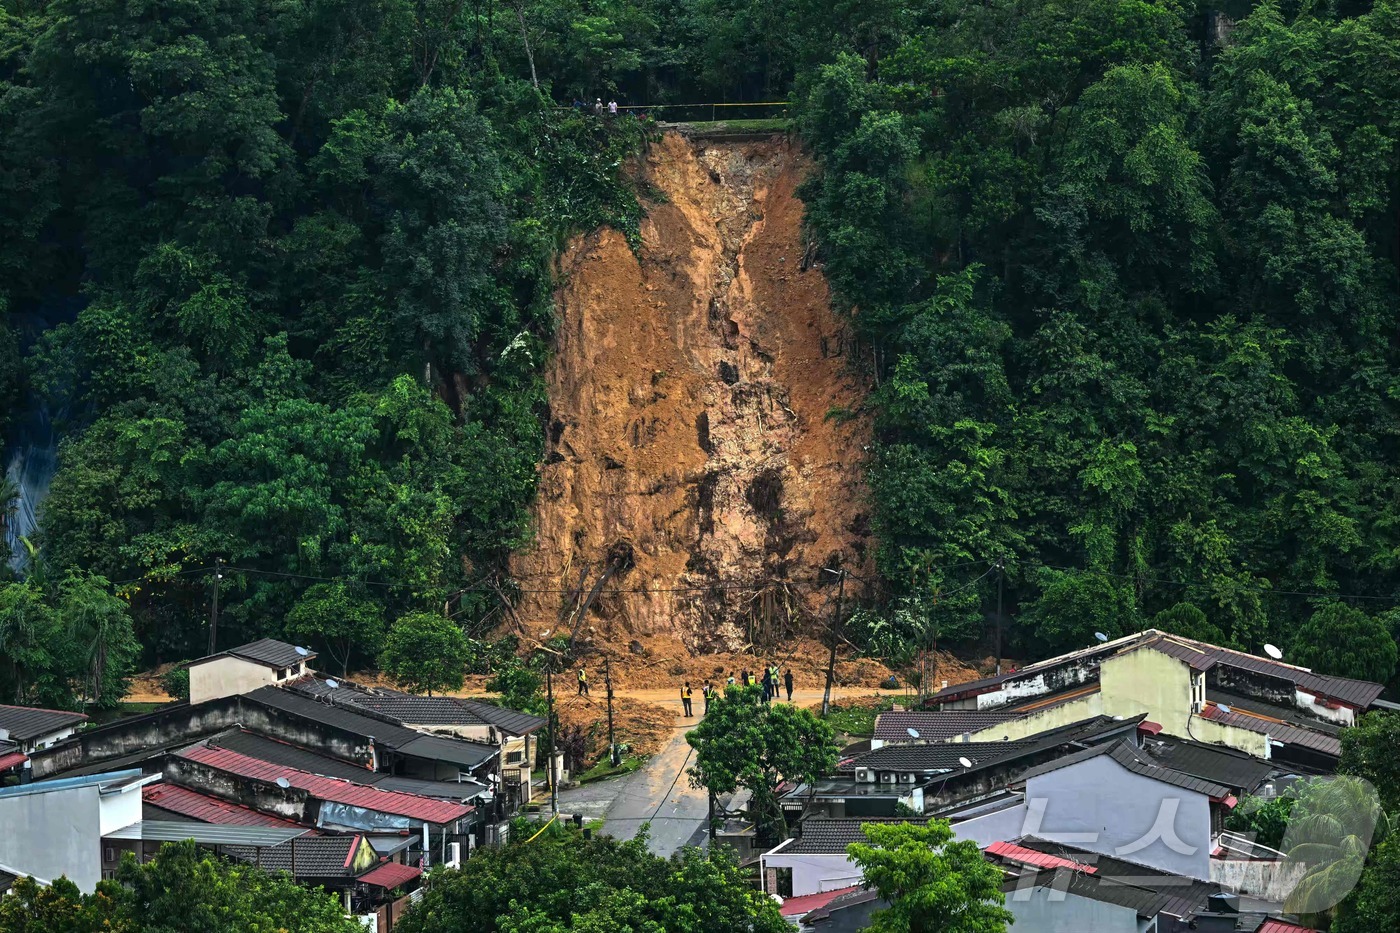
(598, 107)
(770, 682)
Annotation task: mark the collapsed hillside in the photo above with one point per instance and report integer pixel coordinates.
(704, 445)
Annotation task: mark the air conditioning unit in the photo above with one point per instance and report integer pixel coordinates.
(887, 777)
(906, 779)
(864, 775)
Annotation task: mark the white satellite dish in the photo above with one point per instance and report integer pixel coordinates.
(1101, 636)
(302, 651)
(913, 733)
(283, 783)
(332, 684)
(1273, 652)
(1222, 707)
(964, 762)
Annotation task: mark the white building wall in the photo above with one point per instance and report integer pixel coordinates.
(227, 676)
(1043, 910)
(1103, 807)
(813, 874)
(54, 834)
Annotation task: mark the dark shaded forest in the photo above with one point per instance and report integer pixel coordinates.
(1124, 273)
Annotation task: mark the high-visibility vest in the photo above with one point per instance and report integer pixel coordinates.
(686, 693)
(582, 676)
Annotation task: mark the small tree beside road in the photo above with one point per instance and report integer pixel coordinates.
(744, 743)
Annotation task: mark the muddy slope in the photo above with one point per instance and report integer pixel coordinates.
(700, 444)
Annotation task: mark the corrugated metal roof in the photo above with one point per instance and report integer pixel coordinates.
(389, 875)
(211, 833)
(384, 730)
(806, 903)
(445, 790)
(1212, 762)
(30, 722)
(939, 756)
(455, 751)
(206, 809)
(291, 756)
(849, 899)
(1281, 732)
(1023, 856)
(1129, 757)
(332, 789)
(1275, 925)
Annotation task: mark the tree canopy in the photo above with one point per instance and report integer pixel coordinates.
(744, 743)
(558, 881)
(181, 888)
(933, 884)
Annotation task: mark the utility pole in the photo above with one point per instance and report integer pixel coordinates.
(835, 623)
(553, 777)
(214, 606)
(1001, 577)
(612, 739)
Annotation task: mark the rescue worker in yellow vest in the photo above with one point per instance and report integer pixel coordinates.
(685, 698)
(582, 682)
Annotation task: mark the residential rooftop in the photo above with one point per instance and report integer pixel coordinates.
(24, 723)
(1200, 656)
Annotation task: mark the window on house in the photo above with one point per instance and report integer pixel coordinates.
(514, 757)
(784, 882)
(109, 855)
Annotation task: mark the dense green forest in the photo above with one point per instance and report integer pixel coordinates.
(1125, 277)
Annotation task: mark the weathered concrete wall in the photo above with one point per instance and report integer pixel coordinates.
(185, 724)
(1147, 681)
(1051, 718)
(266, 796)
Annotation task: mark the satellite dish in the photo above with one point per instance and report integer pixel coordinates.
(302, 651)
(332, 684)
(1222, 707)
(283, 783)
(1273, 652)
(913, 733)
(1101, 636)
(964, 762)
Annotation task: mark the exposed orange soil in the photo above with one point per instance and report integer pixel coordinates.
(705, 433)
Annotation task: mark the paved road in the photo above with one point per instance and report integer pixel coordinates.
(659, 791)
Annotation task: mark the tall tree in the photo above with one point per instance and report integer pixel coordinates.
(744, 743)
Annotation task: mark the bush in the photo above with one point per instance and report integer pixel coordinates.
(176, 681)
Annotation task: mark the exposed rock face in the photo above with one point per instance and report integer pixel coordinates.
(701, 439)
